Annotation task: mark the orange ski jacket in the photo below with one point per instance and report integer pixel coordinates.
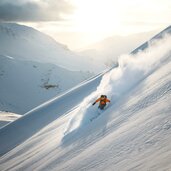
(102, 100)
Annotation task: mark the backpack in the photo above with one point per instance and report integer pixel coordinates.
(103, 101)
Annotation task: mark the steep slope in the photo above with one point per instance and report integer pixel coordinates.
(133, 133)
(39, 117)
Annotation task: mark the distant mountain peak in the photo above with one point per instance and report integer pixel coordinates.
(26, 43)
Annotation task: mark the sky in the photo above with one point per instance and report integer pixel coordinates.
(78, 23)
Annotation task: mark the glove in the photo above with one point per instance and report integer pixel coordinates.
(94, 103)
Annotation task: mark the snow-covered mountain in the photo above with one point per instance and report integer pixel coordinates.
(25, 43)
(132, 133)
(34, 68)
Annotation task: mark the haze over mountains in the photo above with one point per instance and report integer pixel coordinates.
(108, 50)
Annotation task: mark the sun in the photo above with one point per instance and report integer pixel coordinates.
(96, 16)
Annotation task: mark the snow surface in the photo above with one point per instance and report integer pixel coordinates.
(133, 132)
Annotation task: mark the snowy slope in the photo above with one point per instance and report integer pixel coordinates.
(133, 133)
(39, 117)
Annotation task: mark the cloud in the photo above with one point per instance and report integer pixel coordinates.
(30, 11)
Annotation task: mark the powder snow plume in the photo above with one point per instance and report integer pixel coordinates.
(132, 69)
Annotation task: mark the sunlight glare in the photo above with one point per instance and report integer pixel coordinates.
(96, 16)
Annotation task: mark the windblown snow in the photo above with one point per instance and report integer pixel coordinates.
(7, 117)
(116, 83)
(132, 133)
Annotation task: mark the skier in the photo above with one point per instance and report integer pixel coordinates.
(102, 101)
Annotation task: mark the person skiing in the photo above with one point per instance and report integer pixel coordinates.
(102, 101)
